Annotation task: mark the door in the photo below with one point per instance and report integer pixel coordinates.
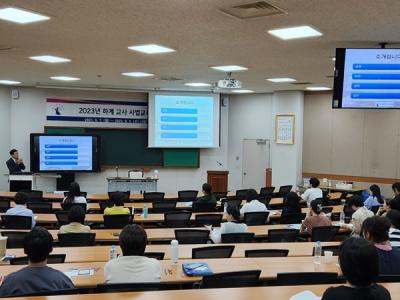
(255, 162)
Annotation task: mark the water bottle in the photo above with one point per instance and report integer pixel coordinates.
(225, 206)
(133, 210)
(113, 253)
(145, 211)
(342, 218)
(174, 251)
(317, 252)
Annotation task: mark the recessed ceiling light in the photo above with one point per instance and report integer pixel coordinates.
(297, 32)
(318, 88)
(65, 78)
(151, 49)
(229, 68)
(137, 74)
(20, 16)
(243, 91)
(197, 84)
(282, 79)
(9, 82)
(50, 59)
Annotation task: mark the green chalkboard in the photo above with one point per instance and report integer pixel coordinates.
(182, 158)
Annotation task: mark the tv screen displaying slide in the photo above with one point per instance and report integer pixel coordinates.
(367, 78)
(64, 153)
(184, 120)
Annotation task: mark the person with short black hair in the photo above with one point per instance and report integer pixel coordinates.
(233, 225)
(15, 164)
(208, 196)
(396, 188)
(132, 266)
(375, 198)
(37, 276)
(360, 214)
(20, 200)
(74, 194)
(291, 204)
(315, 217)
(393, 216)
(118, 209)
(359, 263)
(76, 218)
(252, 205)
(312, 193)
(376, 230)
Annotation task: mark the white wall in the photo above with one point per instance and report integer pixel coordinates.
(5, 109)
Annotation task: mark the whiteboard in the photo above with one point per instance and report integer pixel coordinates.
(284, 129)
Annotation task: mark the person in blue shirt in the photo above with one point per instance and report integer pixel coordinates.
(20, 209)
(375, 198)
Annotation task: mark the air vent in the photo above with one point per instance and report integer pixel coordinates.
(300, 83)
(169, 78)
(253, 10)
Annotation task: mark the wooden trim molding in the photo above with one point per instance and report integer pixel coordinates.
(352, 178)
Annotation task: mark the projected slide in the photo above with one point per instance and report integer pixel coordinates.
(184, 121)
(66, 153)
(371, 78)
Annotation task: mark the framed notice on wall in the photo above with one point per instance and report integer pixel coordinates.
(284, 129)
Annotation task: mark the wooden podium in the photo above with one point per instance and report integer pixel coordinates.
(218, 180)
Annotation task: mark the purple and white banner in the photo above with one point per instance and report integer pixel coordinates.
(96, 113)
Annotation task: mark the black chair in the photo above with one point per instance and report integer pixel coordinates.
(375, 209)
(232, 201)
(231, 279)
(83, 194)
(256, 218)
(155, 255)
(241, 237)
(4, 205)
(160, 207)
(304, 278)
(327, 209)
(266, 253)
(284, 190)
(131, 287)
(67, 206)
(333, 249)
(388, 278)
(40, 207)
(212, 252)
(282, 235)
(187, 195)
(16, 222)
(153, 196)
(117, 221)
(34, 196)
(324, 233)
(267, 191)
(242, 194)
(105, 204)
(62, 217)
(208, 219)
(219, 195)
(177, 219)
(15, 239)
(76, 239)
(127, 195)
(265, 200)
(203, 207)
(191, 236)
(51, 259)
(292, 218)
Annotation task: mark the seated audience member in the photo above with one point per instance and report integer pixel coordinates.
(118, 208)
(359, 263)
(394, 231)
(76, 218)
(312, 193)
(232, 225)
(37, 276)
(291, 205)
(315, 217)
(376, 230)
(252, 205)
(208, 195)
(360, 214)
(74, 194)
(396, 188)
(382, 211)
(375, 198)
(20, 200)
(132, 266)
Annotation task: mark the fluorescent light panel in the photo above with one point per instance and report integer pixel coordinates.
(151, 49)
(243, 91)
(297, 32)
(281, 79)
(20, 16)
(9, 82)
(50, 59)
(65, 78)
(197, 84)
(137, 74)
(318, 88)
(229, 68)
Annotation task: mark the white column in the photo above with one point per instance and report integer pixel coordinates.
(5, 135)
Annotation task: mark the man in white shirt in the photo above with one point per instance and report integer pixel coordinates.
(360, 214)
(252, 205)
(132, 266)
(312, 193)
(20, 200)
(394, 232)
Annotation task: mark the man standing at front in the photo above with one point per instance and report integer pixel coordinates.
(15, 164)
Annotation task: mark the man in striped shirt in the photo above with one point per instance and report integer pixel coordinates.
(394, 232)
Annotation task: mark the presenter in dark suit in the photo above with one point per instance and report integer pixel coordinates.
(15, 164)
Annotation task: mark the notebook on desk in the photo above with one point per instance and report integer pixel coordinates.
(196, 269)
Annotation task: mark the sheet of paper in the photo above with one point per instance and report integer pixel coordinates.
(294, 226)
(305, 295)
(79, 272)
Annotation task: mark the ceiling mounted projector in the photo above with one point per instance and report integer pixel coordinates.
(229, 83)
